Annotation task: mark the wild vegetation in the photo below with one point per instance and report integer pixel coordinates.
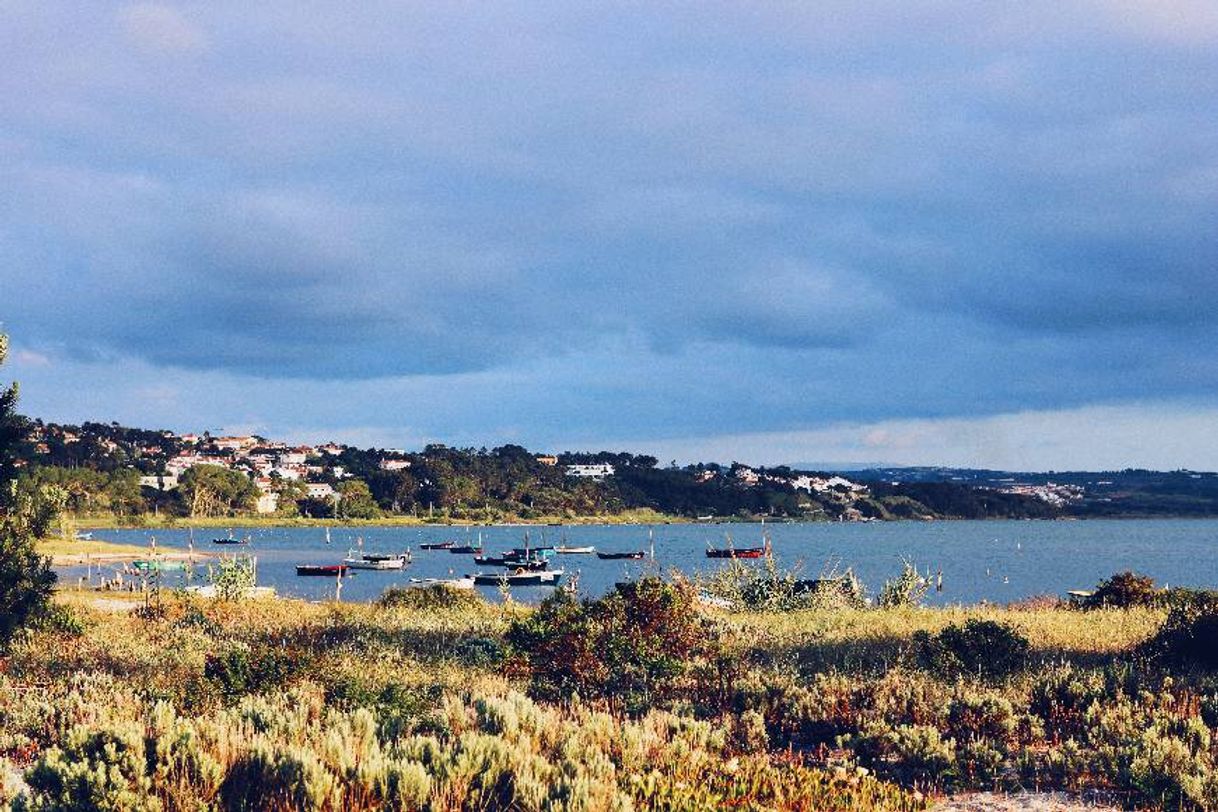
(642, 699)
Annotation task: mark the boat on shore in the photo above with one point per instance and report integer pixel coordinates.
(323, 570)
(451, 583)
(519, 578)
(158, 565)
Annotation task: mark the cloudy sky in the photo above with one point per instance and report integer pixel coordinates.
(927, 232)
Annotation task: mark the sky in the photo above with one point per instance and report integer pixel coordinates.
(934, 232)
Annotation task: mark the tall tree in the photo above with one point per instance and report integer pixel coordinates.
(26, 579)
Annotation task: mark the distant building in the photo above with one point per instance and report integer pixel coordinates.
(235, 443)
(321, 490)
(394, 465)
(268, 498)
(333, 449)
(747, 476)
(547, 459)
(597, 471)
(167, 482)
(294, 456)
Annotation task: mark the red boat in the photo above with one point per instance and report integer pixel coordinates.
(332, 570)
(736, 552)
(731, 551)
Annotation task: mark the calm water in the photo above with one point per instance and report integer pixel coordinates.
(997, 561)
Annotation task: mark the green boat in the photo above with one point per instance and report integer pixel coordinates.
(158, 565)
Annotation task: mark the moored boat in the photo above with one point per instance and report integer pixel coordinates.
(375, 561)
(564, 550)
(331, 570)
(519, 578)
(626, 555)
(437, 545)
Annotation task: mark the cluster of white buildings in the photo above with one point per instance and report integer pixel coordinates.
(1056, 495)
(596, 471)
(824, 485)
(263, 461)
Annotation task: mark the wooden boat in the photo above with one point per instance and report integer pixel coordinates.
(732, 551)
(330, 570)
(466, 549)
(375, 561)
(735, 552)
(629, 555)
(437, 545)
(519, 578)
(589, 550)
(490, 560)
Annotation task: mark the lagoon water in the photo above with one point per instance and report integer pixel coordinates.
(997, 561)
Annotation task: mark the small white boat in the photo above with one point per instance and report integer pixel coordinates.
(589, 550)
(373, 561)
(451, 583)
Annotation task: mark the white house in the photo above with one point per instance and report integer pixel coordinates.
(394, 465)
(598, 471)
(320, 490)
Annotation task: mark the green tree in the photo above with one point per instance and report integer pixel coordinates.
(26, 579)
(291, 493)
(355, 501)
(209, 490)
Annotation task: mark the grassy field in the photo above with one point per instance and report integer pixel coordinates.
(438, 700)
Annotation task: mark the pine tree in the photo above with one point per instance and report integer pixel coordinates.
(26, 579)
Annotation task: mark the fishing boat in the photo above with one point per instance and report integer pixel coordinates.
(231, 539)
(490, 560)
(627, 555)
(564, 550)
(519, 578)
(358, 560)
(732, 551)
(331, 570)
(467, 549)
(437, 545)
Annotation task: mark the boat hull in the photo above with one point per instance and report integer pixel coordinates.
(321, 570)
(631, 556)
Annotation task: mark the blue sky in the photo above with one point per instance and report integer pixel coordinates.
(940, 232)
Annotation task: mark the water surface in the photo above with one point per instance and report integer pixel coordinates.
(997, 561)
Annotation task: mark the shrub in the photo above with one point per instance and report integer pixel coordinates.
(102, 769)
(1122, 591)
(642, 645)
(435, 596)
(1189, 636)
(983, 648)
(241, 670)
(907, 589)
(769, 588)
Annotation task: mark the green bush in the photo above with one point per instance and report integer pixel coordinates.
(907, 589)
(1123, 591)
(241, 670)
(1189, 636)
(643, 645)
(434, 596)
(983, 648)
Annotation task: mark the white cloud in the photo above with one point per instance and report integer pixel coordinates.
(1151, 435)
(161, 29)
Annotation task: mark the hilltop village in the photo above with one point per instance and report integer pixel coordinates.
(107, 470)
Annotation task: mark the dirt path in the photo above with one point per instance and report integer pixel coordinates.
(1020, 802)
